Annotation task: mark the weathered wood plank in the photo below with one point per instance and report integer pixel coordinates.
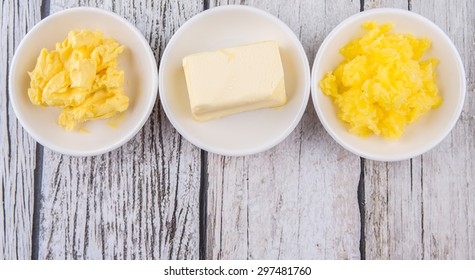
(448, 183)
(298, 200)
(139, 201)
(393, 225)
(422, 208)
(17, 148)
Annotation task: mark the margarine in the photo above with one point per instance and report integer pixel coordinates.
(234, 80)
(80, 76)
(382, 85)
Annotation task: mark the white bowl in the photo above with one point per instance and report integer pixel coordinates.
(141, 82)
(433, 126)
(244, 133)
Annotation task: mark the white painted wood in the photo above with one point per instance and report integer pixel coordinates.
(137, 202)
(393, 218)
(17, 148)
(423, 208)
(298, 200)
(448, 171)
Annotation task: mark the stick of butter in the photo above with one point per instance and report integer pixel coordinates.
(233, 80)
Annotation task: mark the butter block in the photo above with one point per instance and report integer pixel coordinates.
(233, 80)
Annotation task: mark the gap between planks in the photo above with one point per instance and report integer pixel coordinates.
(203, 200)
(38, 173)
(361, 193)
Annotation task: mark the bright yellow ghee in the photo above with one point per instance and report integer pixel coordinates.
(81, 77)
(381, 86)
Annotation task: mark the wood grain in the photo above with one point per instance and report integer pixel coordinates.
(293, 201)
(423, 208)
(448, 184)
(296, 201)
(17, 148)
(139, 201)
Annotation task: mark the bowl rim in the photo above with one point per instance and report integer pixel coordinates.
(237, 152)
(121, 141)
(407, 155)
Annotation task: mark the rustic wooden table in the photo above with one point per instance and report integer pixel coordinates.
(307, 198)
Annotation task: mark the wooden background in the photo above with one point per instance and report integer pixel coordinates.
(307, 198)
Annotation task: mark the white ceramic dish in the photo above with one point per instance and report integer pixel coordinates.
(432, 127)
(244, 133)
(141, 82)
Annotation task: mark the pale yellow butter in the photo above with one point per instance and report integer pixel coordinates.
(80, 76)
(233, 80)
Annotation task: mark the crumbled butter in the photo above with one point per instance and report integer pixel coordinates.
(382, 85)
(80, 76)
